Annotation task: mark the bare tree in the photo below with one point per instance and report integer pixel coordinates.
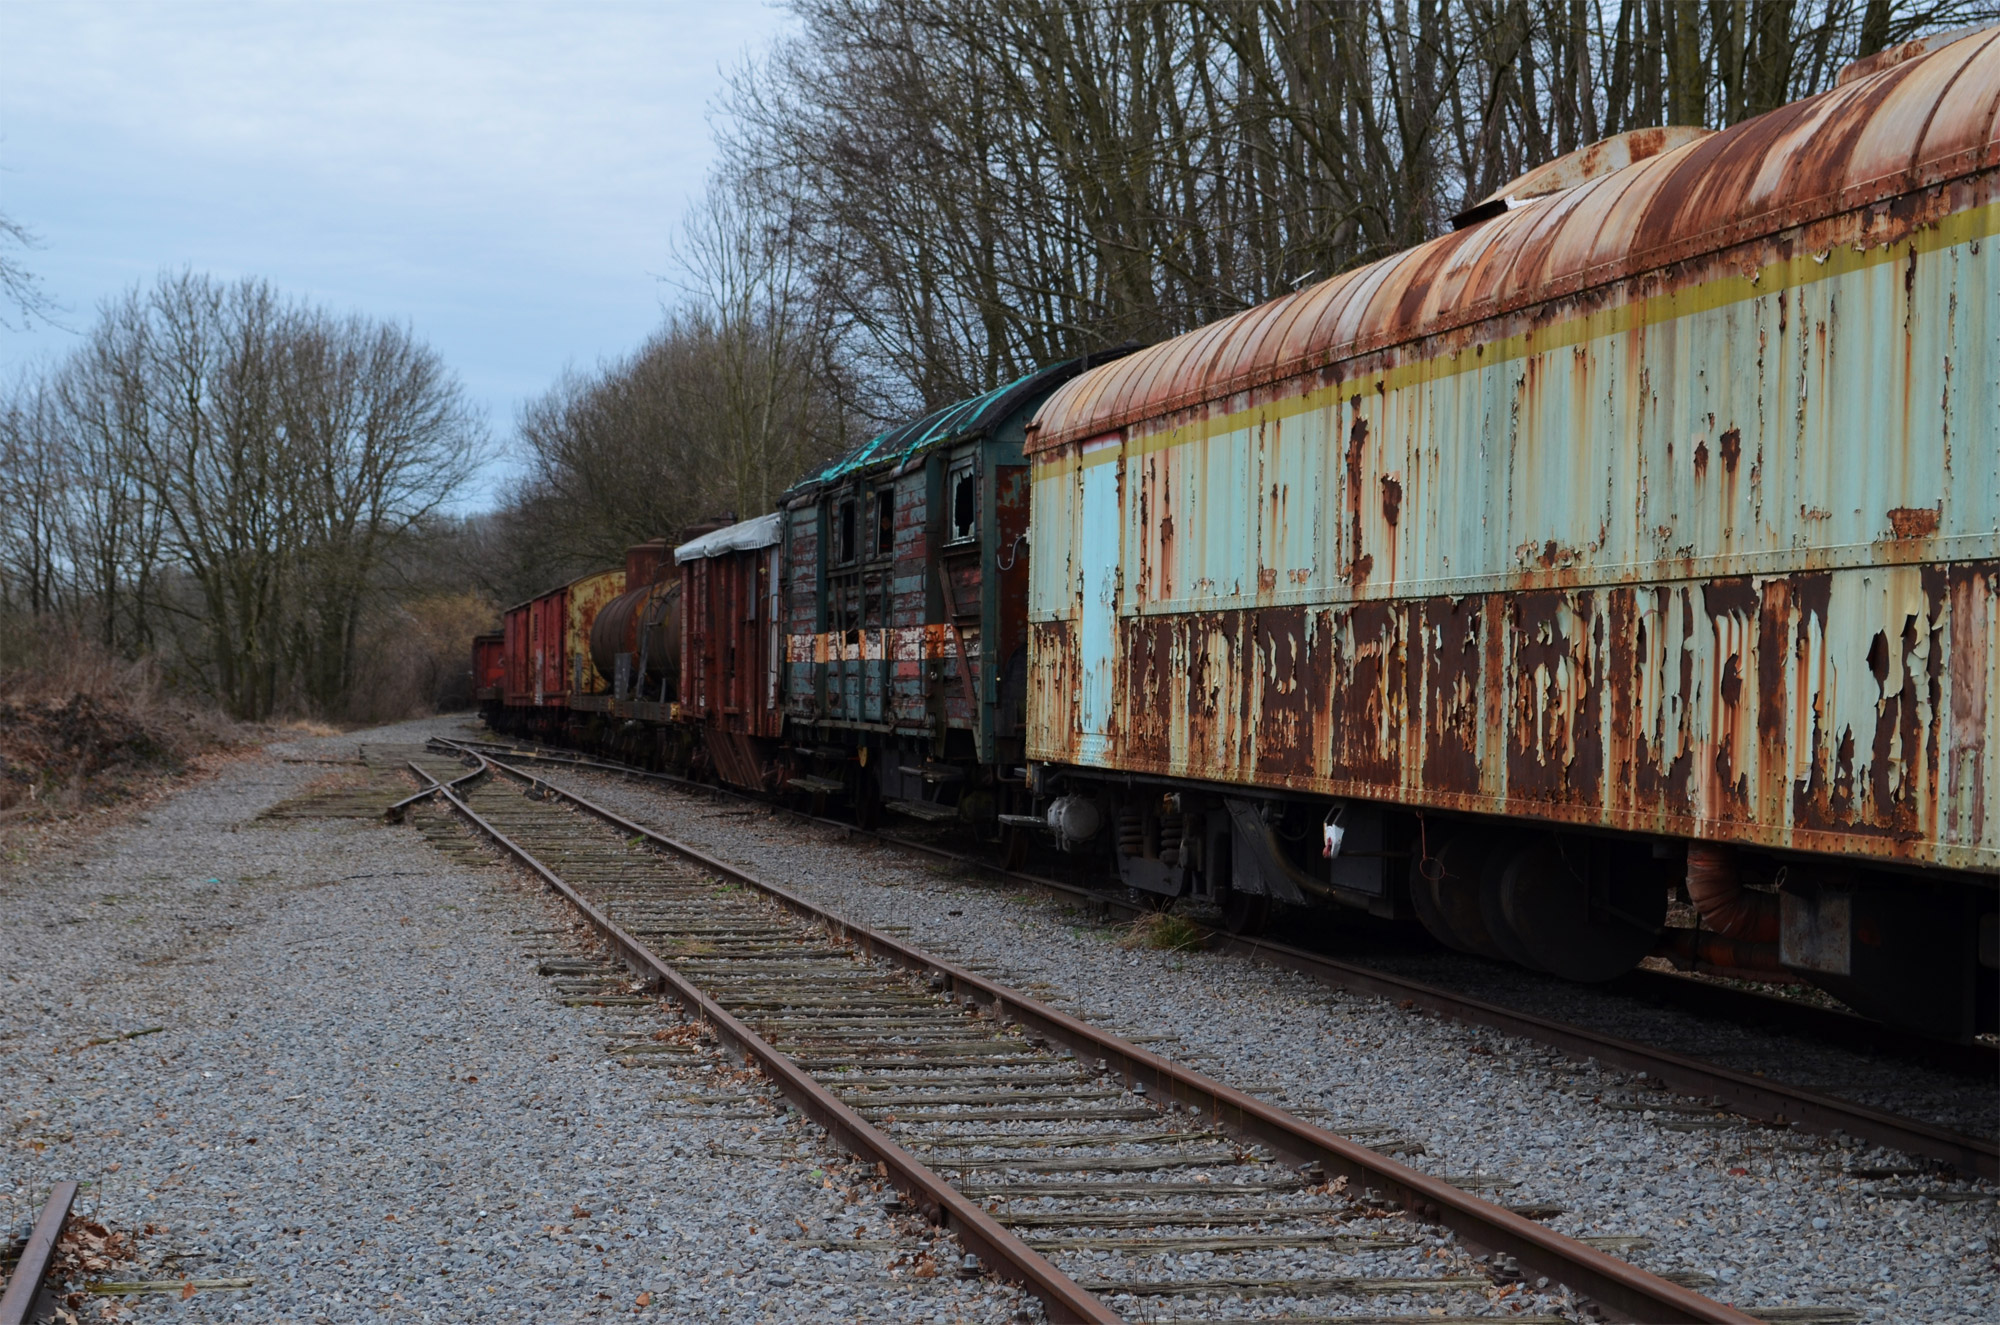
(230, 472)
(382, 437)
(20, 288)
(978, 187)
(753, 392)
(719, 411)
(33, 478)
(114, 530)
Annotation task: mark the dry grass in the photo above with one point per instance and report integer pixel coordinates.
(80, 729)
(1163, 930)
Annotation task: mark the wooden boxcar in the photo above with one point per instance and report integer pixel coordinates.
(489, 667)
(730, 650)
(545, 642)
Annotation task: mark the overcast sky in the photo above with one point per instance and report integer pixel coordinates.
(506, 176)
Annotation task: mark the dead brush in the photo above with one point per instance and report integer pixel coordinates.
(1163, 930)
(81, 727)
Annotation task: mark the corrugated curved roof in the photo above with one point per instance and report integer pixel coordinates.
(744, 536)
(1905, 127)
(953, 423)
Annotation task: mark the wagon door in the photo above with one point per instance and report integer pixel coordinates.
(1099, 526)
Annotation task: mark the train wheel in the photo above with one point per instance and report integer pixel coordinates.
(1454, 871)
(1584, 915)
(1425, 870)
(1013, 847)
(1495, 870)
(1245, 913)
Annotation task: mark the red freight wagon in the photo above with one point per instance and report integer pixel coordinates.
(488, 666)
(729, 647)
(533, 643)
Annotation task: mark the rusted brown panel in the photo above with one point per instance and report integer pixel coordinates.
(1054, 689)
(647, 563)
(1211, 651)
(488, 663)
(517, 687)
(1710, 708)
(1902, 769)
(1975, 654)
(1449, 634)
(1791, 614)
(1290, 686)
(1150, 646)
(1555, 749)
(1367, 694)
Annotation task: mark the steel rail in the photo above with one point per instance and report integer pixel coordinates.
(394, 814)
(1617, 1285)
(1791, 1016)
(1753, 1096)
(992, 1242)
(18, 1302)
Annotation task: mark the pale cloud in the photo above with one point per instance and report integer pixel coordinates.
(507, 177)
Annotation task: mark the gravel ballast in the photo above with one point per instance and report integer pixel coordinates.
(1758, 1217)
(363, 1097)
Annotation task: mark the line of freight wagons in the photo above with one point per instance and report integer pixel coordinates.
(1617, 575)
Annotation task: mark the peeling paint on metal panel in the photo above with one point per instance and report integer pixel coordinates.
(1692, 574)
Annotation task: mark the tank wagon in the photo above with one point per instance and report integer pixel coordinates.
(593, 662)
(1618, 574)
(1636, 534)
(635, 653)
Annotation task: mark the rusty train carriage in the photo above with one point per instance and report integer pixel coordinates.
(1668, 503)
(635, 639)
(596, 661)
(1642, 535)
(489, 667)
(906, 565)
(545, 642)
(731, 654)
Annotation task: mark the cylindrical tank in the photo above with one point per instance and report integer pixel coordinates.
(646, 623)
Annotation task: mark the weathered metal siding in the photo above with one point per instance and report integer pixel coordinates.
(1711, 550)
(546, 671)
(866, 638)
(730, 637)
(586, 597)
(802, 598)
(517, 682)
(489, 666)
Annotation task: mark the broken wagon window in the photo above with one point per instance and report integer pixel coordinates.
(964, 503)
(846, 538)
(885, 522)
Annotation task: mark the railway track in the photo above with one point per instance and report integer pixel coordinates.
(1742, 1092)
(27, 1272)
(1109, 1181)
